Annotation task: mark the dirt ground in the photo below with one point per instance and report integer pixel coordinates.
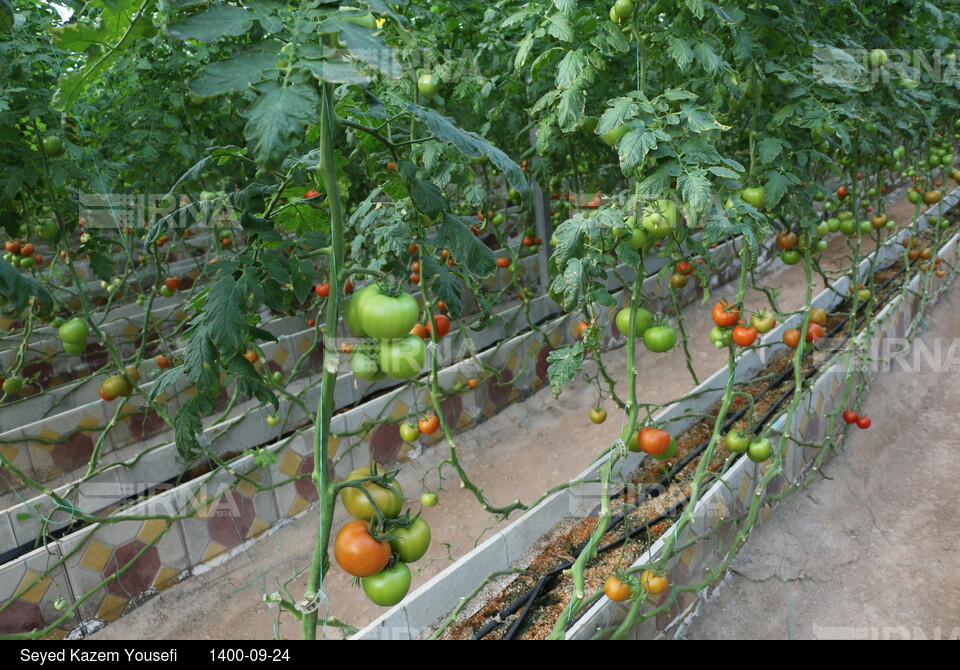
(521, 452)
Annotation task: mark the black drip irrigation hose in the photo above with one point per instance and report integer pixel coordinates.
(545, 583)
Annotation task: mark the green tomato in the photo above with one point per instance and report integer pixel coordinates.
(829, 205)
(273, 420)
(865, 226)
(429, 499)
(878, 58)
(753, 196)
(790, 256)
(623, 8)
(497, 219)
(738, 441)
(913, 197)
(74, 331)
(849, 227)
(427, 85)
(402, 358)
(410, 544)
(12, 385)
(409, 432)
(366, 20)
(166, 292)
(638, 238)
(821, 245)
(53, 146)
(833, 224)
(759, 450)
(613, 136)
(27, 262)
(660, 339)
(385, 317)
(660, 218)
(365, 367)
(589, 125)
(351, 313)
(277, 377)
(823, 229)
(389, 586)
(74, 349)
(644, 321)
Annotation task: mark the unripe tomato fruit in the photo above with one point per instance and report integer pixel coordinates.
(598, 415)
(358, 506)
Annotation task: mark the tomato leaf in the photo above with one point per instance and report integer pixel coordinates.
(224, 318)
(276, 120)
(219, 20)
(234, 74)
(564, 365)
(200, 362)
(187, 426)
(469, 251)
(443, 284)
(768, 149)
(633, 148)
(619, 111)
(472, 145)
(18, 288)
(164, 380)
(570, 68)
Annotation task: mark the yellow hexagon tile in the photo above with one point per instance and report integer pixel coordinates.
(745, 490)
(400, 409)
(88, 422)
(333, 446)
(298, 505)
(490, 409)
(536, 384)
(150, 530)
(34, 586)
(765, 512)
(51, 437)
(111, 608)
(513, 360)
(8, 452)
(57, 634)
(166, 578)
(688, 554)
(213, 550)
(257, 527)
(279, 356)
(131, 330)
(464, 421)
(290, 463)
(96, 556)
(179, 315)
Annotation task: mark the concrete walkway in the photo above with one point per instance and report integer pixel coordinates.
(873, 552)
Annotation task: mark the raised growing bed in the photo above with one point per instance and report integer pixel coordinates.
(724, 502)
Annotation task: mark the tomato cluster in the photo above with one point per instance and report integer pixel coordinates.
(380, 559)
(386, 319)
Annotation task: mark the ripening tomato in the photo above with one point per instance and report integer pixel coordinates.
(791, 338)
(814, 332)
(388, 500)
(616, 590)
(654, 441)
(652, 583)
(357, 552)
(725, 314)
(429, 425)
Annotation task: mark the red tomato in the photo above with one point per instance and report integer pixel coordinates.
(744, 337)
(442, 323)
(724, 314)
(322, 290)
(850, 416)
(863, 422)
